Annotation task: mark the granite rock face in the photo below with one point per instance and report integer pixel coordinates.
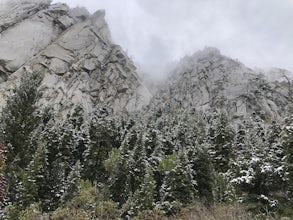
(81, 65)
(74, 51)
(208, 80)
(15, 11)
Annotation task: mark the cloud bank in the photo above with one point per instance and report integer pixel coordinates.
(155, 33)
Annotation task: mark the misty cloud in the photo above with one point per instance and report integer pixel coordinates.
(155, 33)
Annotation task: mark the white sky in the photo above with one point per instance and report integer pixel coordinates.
(155, 32)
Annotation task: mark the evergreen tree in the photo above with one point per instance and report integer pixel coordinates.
(36, 174)
(287, 139)
(56, 178)
(178, 184)
(119, 176)
(259, 167)
(154, 161)
(64, 142)
(221, 136)
(72, 184)
(2, 180)
(137, 164)
(98, 149)
(32, 186)
(144, 197)
(18, 121)
(203, 174)
(150, 139)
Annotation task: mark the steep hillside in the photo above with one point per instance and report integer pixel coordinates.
(214, 135)
(208, 79)
(74, 51)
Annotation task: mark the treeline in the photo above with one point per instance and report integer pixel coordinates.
(156, 160)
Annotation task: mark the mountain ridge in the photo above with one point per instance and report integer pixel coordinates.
(208, 79)
(81, 65)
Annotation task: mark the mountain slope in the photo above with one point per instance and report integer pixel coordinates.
(74, 51)
(208, 80)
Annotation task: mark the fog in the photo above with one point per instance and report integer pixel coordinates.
(155, 33)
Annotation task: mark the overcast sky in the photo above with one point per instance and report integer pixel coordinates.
(155, 32)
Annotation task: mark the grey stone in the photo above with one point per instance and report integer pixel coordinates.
(75, 52)
(208, 80)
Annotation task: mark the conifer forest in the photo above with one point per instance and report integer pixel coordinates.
(153, 162)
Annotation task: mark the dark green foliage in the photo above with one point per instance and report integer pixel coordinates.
(287, 138)
(161, 159)
(220, 136)
(102, 141)
(119, 179)
(18, 121)
(203, 174)
(260, 171)
(144, 197)
(72, 182)
(178, 184)
(2, 180)
(36, 171)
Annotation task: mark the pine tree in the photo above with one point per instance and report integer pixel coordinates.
(2, 180)
(72, 184)
(287, 139)
(55, 176)
(137, 164)
(119, 175)
(37, 182)
(18, 121)
(154, 161)
(203, 174)
(259, 166)
(178, 184)
(221, 137)
(150, 139)
(32, 187)
(144, 197)
(98, 149)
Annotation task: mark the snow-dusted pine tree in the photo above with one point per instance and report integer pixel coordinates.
(220, 135)
(18, 121)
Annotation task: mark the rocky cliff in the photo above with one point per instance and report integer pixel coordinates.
(208, 79)
(80, 64)
(73, 50)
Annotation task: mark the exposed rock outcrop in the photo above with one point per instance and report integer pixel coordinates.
(81, 65)
(208, 80)
(74, 51)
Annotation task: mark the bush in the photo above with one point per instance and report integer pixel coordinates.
(227, 212)
(11, 212)
(65, 213)
(32, 213)
(150, 215)
(107, 210)
(89, 204)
